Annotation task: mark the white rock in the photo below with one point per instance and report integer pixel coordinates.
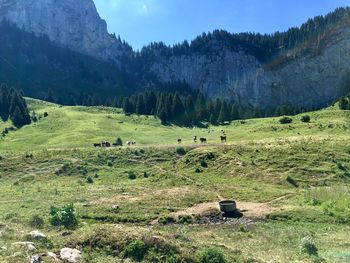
(70, 255)
(53, 256)
(35, 259)
(31, 248)
(36, 234)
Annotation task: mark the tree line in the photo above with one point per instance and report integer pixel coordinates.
(193, 109)
(310, 37)
(13, 106)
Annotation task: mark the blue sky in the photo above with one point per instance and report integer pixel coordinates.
(140, 22)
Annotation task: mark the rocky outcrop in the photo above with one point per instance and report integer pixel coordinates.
(309, 80)
(75, 24)
(234, 73)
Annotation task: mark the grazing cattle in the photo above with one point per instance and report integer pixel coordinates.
(106, 144)
(179, 141)
(223, 138)
(130, 143)
(97, 145)
(195, 138)
(203, 140)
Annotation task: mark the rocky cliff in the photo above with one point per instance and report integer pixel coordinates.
(307, 80)
(226, 67)
(72, 23)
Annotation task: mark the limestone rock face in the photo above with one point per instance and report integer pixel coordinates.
(307, 80)
(75, 24)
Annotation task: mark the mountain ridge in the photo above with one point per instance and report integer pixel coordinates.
(295, 67)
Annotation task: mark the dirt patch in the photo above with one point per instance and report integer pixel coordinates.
(248, 209)
(128, 197)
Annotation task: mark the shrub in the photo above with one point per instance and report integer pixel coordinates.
(291, 181)
(307, 246)
(180, 151)
(210, 156)
(89, 180)
(305, 118)
(212, 255)
(198, 170)
(204, 164)
(119, 142)
(286, 120)
(46, 114)
(136, 250)
(131, 175)
(65, 216)
(36, 221)
(185, 219)
(109, 163)
(344, 103)
(166, 220)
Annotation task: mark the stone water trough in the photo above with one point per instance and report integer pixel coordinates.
(228, 208)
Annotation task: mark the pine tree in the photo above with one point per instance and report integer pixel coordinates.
(224, 113)
(177, 108)
(140, 105)
(128, 107)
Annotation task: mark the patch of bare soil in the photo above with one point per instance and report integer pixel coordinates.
(248, 209)
(127, 197)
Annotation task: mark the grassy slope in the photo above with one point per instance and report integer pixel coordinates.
(69, 127)
(252, 167)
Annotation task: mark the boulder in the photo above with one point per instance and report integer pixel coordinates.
(37, 235)
(35, 259)
(70, 255)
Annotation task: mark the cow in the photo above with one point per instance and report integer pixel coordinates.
(203, 140)
(97, 145)
(106, 144)
(179, 141)
(223, 138)
(195, 139)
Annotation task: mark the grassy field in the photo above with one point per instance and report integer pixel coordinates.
(293, 180)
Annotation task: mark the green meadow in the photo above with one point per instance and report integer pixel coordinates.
(291, 181)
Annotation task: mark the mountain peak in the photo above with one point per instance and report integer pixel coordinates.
(75, 24)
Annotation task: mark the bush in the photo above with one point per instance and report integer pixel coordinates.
(119, 142)
(185, 219)
(109, 163)
(131, 175)
(286, 120)
(166, 220)
(136, 250)
(89, 180)
(180, 151)
(291, 181)
(305, 118)
(46, 114)
(198, 170)
(308, 246)
(204, 164)
(65, 216)
(36, 221)
(212, 255)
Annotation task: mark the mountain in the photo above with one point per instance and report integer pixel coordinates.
(306, 67)
(36, 65)
(72, 23)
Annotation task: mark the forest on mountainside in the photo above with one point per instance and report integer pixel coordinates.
(13, 106)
